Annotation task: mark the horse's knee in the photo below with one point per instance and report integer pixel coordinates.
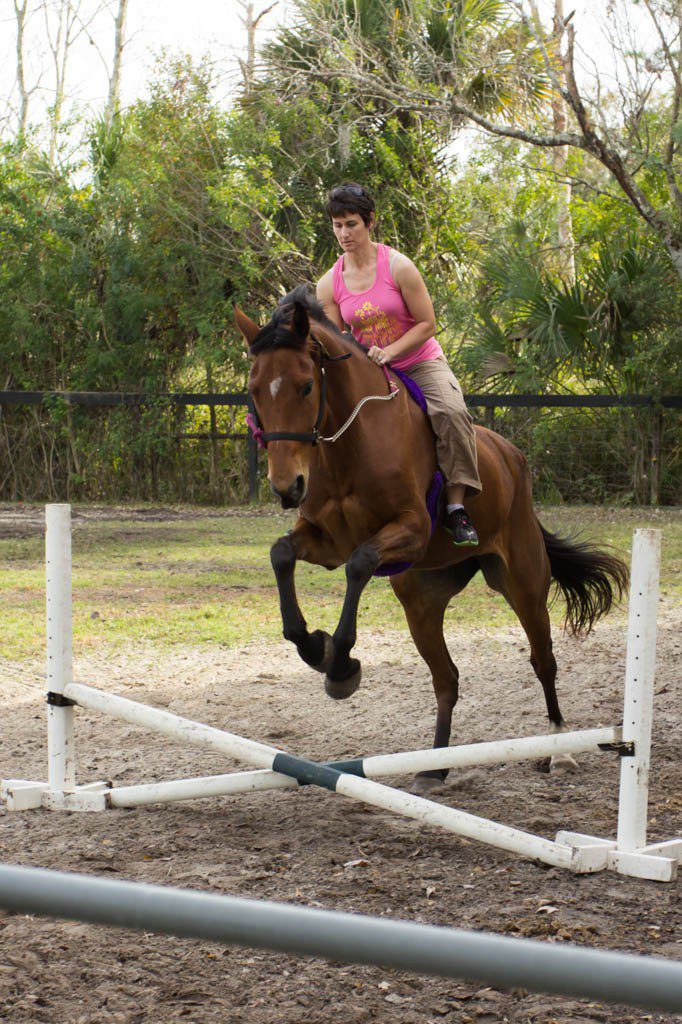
(296, 634)
(362, 563)
(282, 555)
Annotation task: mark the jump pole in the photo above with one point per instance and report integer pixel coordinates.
(560, 968)
(357, 788)
(351, 778)
(629, 854)
(61, 754)
(374, 767)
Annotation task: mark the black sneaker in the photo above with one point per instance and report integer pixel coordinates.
(461, 528)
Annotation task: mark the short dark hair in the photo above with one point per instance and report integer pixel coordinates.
(350, 198)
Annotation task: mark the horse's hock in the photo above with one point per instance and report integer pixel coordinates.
(627, 854)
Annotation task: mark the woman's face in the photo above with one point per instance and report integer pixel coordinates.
(351, 231)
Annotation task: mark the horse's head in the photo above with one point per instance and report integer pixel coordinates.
(285, 387)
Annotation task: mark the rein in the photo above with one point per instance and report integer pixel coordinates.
(314, 437)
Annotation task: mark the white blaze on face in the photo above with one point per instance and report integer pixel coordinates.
(275, 385)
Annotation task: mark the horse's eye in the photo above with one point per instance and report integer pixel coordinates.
(307, 388)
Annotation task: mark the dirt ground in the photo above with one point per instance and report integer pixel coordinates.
(318, 849)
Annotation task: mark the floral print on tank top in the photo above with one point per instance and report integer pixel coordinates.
(377, 328)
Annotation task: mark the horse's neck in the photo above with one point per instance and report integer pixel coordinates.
(349, 380)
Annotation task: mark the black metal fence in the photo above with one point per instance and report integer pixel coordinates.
(195, 447)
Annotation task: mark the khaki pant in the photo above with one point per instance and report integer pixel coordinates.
(452, 424)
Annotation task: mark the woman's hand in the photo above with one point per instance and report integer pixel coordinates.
(378, 355)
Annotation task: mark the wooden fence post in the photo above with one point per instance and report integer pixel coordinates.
(655, 468)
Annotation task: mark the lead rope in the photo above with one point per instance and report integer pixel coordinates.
(368, 398)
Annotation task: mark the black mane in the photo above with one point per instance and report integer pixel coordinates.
(278, 333)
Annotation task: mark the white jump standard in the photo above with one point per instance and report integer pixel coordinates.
(628, 854)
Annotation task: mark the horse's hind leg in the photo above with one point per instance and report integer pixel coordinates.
(424, 597)
(525, 588)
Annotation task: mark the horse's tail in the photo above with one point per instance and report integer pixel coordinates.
(590, 580)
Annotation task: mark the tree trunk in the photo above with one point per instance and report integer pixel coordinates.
(59, 58)
(250, 23)
(67, 14)
(675, 253)
(20, 13)
(114, 99)
(565, 240)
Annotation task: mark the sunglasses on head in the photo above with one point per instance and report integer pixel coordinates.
(353, 190)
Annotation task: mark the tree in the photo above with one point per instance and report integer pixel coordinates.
(565, 240)
(114, 97)
(251, 21)
(22, 14)
(62, 28)
(493, 64)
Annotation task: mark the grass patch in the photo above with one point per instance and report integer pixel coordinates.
(207, 580)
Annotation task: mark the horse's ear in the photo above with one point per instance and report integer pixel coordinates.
(249, 329)
(300, 324)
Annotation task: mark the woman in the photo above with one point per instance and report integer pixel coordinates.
(380, 295)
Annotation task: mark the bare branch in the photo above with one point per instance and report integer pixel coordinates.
(577, 181)
(508, 131)
(605, 153)
(263, 13)
(672, 64)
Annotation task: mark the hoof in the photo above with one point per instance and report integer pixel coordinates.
(563, 763)
(341, 689)
(423, 785)
(323, 665)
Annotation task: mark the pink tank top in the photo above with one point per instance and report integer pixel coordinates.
(379, 316)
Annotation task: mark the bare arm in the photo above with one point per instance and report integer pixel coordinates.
(418, 302)
(325, 295)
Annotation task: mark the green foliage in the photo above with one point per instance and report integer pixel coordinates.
(119, 274)
(611, 327)
(614, 329)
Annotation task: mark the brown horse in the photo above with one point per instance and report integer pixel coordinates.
(361, 501)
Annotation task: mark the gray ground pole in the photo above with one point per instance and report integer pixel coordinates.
(444, 952)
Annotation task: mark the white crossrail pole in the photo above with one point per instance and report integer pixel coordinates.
(183, 729)
(375, 767)
(198, 788)
(60, 725)
(467, 755)
(263, 756)
(639, 689)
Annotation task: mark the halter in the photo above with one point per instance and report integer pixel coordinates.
(314, 437)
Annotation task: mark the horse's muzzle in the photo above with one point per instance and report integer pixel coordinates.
(293, 495)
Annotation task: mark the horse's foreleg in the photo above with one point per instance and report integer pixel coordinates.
(404, 539)
(314, 648)
(344, 673)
